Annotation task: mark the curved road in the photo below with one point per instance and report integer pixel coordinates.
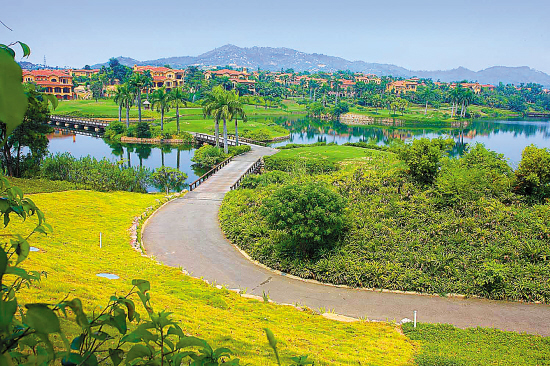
(185, 233)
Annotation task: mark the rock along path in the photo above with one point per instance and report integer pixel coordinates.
(185, 233)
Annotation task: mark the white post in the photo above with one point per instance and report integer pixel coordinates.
(415, 319)
(100, 242)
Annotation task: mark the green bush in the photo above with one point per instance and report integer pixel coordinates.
(423, 157)
(237, 150)
(168, 179)
(207, 156)
(533, 173)
(295, 146)
(261, 134)
(114, 130)
(289, 164)
(143, 130)
(100, 175)
(260, 180)
(311, 213)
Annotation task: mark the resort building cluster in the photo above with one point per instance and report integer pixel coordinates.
(60, 82)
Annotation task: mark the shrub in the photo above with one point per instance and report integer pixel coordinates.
(186, 137)
(168, 179)
(100, 175)
(261, 134)
(208, 156)
(533, 173)
(143, 130)
(478, 173)
(423, 158)
(237, 150)
(289, 164)
(295, 146)
(311, 213)
(114, 130)
(260, 180)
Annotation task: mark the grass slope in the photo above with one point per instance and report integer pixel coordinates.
(71, 256)
(333, 153)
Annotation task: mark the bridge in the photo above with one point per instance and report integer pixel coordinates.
(79, 123)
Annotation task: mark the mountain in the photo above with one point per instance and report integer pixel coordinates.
(274, 59)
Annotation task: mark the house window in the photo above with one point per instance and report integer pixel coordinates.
(57, 90)
(54, 80)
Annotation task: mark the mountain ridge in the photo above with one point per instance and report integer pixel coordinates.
(273, 59)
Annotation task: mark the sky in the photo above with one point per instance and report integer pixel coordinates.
(417, 35)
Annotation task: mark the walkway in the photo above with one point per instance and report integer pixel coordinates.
(185, 233)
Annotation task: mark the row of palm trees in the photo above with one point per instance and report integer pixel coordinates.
(129, 94)
(223, 105)
(460, 96)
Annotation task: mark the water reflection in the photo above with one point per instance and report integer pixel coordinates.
(508, 137)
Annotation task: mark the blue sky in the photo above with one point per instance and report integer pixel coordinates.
(419, 35)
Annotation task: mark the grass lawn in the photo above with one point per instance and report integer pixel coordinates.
(71, 256)
(416, 113)
(443, 344)
(333, 153)
(30, 186)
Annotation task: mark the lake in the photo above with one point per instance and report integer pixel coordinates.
(508, 137)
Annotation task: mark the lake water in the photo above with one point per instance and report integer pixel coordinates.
(506, 137)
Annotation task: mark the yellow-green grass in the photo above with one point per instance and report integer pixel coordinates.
(71, 256)
(42, 185)
(335, 153)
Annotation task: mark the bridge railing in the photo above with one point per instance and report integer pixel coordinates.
(250, 141)
(250, 170)
(209, 173)
(79, 120)
(209, 138)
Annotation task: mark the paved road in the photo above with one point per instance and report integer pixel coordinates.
(185, 233)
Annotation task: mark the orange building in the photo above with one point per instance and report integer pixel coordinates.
(402, 86)
(163, 76)
(55, 82)
(236, 77)
(83, 72)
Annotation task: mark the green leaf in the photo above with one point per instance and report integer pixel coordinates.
(3, 263)
(273, 343)
(137, 351)
(26, 49)
(7, 311)
(100, 335)
(73, 359)
(142, 285)
(41, 318)
(221, 352)
(22, 249)
(193, 342)
(77, 342)
(116, 356)
(5, 360)
(13, 101)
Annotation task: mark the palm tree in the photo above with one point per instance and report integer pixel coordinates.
(236, 109)
(454, 96)
(161, 100)
(119, 99)
(211, 107)
(177, 96)
(139, 81)
(426, 94)
(125, 97)
(466, 97)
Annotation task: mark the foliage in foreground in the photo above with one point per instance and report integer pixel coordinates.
(468, 232)
(445, 345)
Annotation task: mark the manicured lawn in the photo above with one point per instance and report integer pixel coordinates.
(71, 256)
(443, 344)
(42, 185)
(332, 153)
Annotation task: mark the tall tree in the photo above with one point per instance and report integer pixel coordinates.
(139, 81)
(236, 110)
(160, 100)
(211, 107)
(178, 97)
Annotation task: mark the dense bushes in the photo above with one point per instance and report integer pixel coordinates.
(468, 232)
(116, 130)
(207, 156)
(533, 173)
(311, 213)
(262, 180)
(288, 164)
(99, 175)
(423, 158)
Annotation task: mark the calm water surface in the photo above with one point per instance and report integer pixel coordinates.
(506, 137)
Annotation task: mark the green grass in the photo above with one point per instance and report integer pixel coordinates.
(71, 256)
(191, 119)
(333, 153)
(415, 113)
(42, 185)
(443, 344)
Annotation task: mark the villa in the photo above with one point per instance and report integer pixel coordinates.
(55, 82)
(402, 86)
(163, 76)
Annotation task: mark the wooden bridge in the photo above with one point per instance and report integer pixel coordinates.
(231, 140)
(79, 123)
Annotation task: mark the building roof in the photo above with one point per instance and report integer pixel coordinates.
(46, 72)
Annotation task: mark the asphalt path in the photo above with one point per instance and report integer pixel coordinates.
(186, 233)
